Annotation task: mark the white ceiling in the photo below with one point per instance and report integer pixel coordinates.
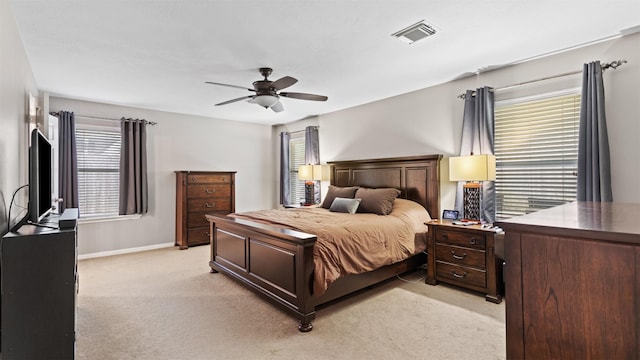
(157, 54)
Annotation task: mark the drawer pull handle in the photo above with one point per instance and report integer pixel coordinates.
(445, 236)
(458, 257)
(458, 276)
(207, 233)
(473, 241)
(207, 205)
(210, 191)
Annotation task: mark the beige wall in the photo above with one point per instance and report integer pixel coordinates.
(180, 142)
(429, 120)
(16, 83)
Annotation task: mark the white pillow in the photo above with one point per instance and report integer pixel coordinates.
(345, 205)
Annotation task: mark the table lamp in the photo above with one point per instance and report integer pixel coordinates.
(474, 169)
(311, 174)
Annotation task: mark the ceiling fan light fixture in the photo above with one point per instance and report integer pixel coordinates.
(266, 101)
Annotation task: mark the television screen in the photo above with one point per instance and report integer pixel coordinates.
(40, 177)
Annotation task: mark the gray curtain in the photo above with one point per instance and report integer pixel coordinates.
(285, 172)
(594, 171)
(68, 161)
(133, 167)
(477, 138)
(312, 154)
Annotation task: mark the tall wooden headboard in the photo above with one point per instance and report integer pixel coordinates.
(417, 177)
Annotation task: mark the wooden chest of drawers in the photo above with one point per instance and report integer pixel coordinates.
(467, 256)
(199, 193)
(572, 282)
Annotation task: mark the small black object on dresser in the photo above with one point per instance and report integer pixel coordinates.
(39, 289)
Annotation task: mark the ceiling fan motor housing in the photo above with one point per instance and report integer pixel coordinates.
(263, 87)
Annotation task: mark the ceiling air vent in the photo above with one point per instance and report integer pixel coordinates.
(415, 32)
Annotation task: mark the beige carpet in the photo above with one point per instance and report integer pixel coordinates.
(164, 304)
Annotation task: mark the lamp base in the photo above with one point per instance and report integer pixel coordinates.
(472, 198)
(309, 193)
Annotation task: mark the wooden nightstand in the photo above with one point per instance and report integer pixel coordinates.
(467, 256)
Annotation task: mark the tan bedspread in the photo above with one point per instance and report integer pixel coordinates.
(353, 243)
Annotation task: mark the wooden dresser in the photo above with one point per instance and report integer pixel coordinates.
(466, 256)
(573, 282)
(199, 193)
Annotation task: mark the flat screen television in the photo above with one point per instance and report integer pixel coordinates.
(40, 177)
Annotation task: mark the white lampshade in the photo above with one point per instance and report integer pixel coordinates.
(472, 168)
(312, 172)
(305, 172)
(266, 100)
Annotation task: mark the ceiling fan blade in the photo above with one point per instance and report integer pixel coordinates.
(303, 96)
(283, 83)
(234, 100)
(228, 85)
(277, 107)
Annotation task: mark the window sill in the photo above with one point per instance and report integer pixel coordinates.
(99, 219)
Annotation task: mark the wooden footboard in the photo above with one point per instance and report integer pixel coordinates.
(277, 263)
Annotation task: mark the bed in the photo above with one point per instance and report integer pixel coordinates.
(277, 261)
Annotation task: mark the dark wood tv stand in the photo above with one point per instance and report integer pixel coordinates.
(39, 287)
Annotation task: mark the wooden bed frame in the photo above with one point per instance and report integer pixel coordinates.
(278, 263)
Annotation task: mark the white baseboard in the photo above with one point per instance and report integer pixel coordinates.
(124, 251)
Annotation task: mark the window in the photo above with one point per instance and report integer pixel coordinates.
(296, 159)
(98, 149)
(536, 148)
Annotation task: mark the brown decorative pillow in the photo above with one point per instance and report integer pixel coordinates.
(337, 191)
(376, 201)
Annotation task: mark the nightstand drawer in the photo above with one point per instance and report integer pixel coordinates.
(449, 272)
(211, 204)
(208, 178)
(461, 255)
(460, 238)
(209, 190)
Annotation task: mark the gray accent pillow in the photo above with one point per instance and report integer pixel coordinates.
(344, 205)
(376, 201)
(337, 191)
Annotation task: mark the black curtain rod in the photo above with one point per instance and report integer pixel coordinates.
(612, 65)
(299, 131)
(152, 123)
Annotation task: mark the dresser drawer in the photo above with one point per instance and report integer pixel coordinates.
(454, 273)
(460, 238)
(209, 204)
(208, 178)
(196, 219)
(198, 236)
(461, 256)
(208, 190)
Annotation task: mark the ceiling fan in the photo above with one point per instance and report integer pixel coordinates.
(266, 91)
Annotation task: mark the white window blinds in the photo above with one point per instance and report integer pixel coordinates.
(98, 171)
(536, 148)
(296, 159)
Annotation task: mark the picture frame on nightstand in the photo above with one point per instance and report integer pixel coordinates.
(450, 214)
